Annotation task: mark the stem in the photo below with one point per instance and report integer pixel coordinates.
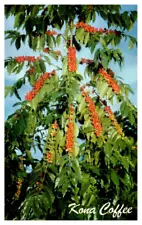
(71, 33)
(45, 172)
(59, 68)
(38, 143)
(99, 97)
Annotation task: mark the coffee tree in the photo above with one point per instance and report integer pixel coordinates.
(89, 151)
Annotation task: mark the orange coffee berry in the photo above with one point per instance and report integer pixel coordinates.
(115, 87)
(112, 117)
(72, 59)
(38, 85)
(93, 114)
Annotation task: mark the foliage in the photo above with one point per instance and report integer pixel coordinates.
(97, 167)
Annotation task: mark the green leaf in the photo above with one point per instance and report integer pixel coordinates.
(35, 10)
(29, 24)
(64, 66)
(76, 130)
(59, 137)
(97, 157)
(58, 40)
(130, 89)
(49, 193)
(91, 200)
(94, 17)
(19, 68)
(84, 186)
(113, 160)
(86, 71)
(12, 90)
(131, 117)
(81, 39)
(102, 41)
(122, 107)
(108, 149)
(76, 150)
(17, 103)
(115, 178)
(18, 43)
(65, 187)
(66, 31)
(127, 180)
(88, 130)
(88, 18)
(34, 43)
(7, 90)
(47, 60)
(53, 40)
(131, 44)
(11, 65)
(19, 18)
(81, 106)
(109, 92)
(49, 41)
(125, 162)
(60, 180)
(23, 38)
(42, 43)
(105, 62)
(79, 33)
(79, 77)
(54, 55)
(19, 83)
(134, 15)
(86, 38)
(126, 110)
(57, 181)
(42, 66)
(16, 94)
(93, 46)
(76, 168)
(49, 118)
(103, 89)
(100, 141)
(125, 16)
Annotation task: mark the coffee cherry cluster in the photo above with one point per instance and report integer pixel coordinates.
(20, 59)
(47, 50)
(110, 72)
(49, 157)
(39, 183)
(112, 117)
(19, 185)
(31, 70)
(58, 52)
(38, 85)
(70, 132)
(54, 129)
(55, 125)
(72, 59)
(51, 32)
(50, 142)
(90, 29)
(93, 114)
(86, 61)
(110, 80)
(83, 87)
